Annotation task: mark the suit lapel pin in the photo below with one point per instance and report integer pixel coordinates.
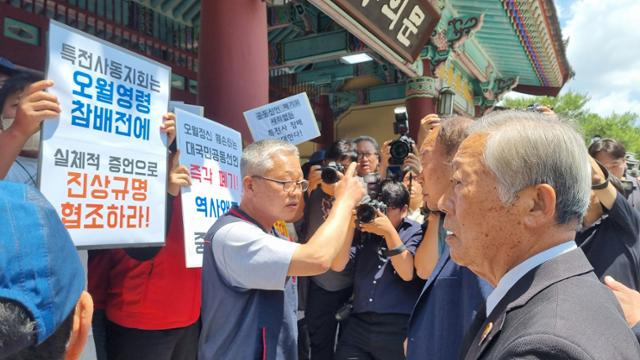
(486, 332)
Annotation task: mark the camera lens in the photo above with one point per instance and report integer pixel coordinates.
(365, 213)
(399, 150)
(329, 175)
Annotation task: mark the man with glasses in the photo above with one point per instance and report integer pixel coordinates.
(248, 290)
(368, 154)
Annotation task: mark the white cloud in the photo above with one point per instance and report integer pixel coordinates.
(604, 51)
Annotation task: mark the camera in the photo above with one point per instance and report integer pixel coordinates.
(329, 173)
(399, 149)
(367, 210)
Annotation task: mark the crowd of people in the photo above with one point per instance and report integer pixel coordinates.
(501, 237)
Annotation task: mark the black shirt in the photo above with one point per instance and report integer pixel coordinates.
(612, 244)
(377, 286)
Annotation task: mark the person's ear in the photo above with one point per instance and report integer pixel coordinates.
(81, 327)
(247, 182)
(539, 203)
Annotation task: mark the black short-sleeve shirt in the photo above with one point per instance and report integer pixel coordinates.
(612, 244)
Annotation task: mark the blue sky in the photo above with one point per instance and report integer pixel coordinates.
(604, 52)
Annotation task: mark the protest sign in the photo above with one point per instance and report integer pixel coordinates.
(211, 152)
(194, 109)
(103, 161)
(290, 119)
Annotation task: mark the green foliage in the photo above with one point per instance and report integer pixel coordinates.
(570, 105)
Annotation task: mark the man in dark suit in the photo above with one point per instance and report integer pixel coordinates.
(521, 184)
(452, 293)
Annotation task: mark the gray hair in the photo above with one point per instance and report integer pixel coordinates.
(528, 148)
(257, 158)
(453, 130)
(362, 138)
(18, 335)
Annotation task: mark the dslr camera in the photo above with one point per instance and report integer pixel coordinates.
(367, 210)
(400, 148)
(329, 174)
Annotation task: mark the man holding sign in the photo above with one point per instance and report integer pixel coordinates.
(248, 294)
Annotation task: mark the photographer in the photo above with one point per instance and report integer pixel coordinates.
(329, 291)
(611, 154)
(385, 285)
(611, 230)
(368, 152)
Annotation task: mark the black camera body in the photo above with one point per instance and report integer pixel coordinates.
(400, 148)
(329, 174)
(367, 210)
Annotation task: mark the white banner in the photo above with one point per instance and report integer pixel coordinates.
(290, 119)
(103, 161)
(212, 154)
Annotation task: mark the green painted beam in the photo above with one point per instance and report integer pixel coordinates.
(386, 92)
(182, 7)
(193, 12)
(169, 5)
(319, 46)
(327, 74)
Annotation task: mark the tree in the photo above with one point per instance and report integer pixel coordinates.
(572, 106)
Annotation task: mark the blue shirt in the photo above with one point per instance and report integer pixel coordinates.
(377, 287)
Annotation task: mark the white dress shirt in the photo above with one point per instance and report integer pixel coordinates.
(512, 276)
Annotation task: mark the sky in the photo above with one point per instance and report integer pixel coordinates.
(604, 52)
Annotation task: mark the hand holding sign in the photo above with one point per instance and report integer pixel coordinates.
(169, 127)
(35, 106)
(178, 175)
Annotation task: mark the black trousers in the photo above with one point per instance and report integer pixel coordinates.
(135, 344)
(320, 314)
(371, 336)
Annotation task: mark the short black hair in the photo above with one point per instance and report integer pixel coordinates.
(18, 335)
(609, 146)
(394, 194)
(16, 84)
(341, 149)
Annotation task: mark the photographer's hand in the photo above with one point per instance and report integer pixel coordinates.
(427, 124)
(606, 196)
(385, 155)
(412, 162)
(403, 262)
(314, 177)
(380, 226)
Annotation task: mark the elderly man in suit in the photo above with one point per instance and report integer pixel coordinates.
(520, 186)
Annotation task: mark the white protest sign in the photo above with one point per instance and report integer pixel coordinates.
(290, 119)
(194, 109)
(103, 161)
(211, 152)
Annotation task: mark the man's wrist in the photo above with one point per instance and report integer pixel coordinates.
(17, 133)
(605, 176)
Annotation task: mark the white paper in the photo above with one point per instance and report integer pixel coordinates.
(212, 153)
(290, 119)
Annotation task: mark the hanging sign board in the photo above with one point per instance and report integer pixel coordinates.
(405, 26)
